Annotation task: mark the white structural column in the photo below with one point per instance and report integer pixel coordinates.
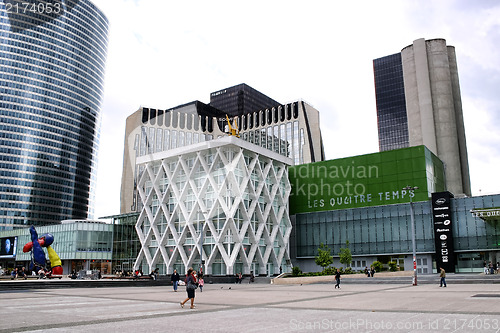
(419, 96)
(228, 192)
(444, 114)
(459, 117)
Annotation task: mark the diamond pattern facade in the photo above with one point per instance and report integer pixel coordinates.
(227, 196)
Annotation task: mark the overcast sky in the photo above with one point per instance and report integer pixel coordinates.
(165, 53)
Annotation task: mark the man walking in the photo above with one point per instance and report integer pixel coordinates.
(175, 279)
(442, 275)
(337, 279)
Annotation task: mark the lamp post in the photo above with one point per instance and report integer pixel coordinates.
(413, 244)
(205, 213)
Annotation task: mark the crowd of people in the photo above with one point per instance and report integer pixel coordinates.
(19, 273)
(23, 273)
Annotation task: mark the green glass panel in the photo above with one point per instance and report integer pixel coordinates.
(366, 180)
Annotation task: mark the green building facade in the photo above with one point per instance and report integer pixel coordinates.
(361, 199)
(366, 180)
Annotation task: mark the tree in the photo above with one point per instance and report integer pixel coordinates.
(324, 258)
(345, 254)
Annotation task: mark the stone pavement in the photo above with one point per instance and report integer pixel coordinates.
(357, 307)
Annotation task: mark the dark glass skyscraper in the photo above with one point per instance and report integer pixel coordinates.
(52, 59)
(391, 102)
(241, 99)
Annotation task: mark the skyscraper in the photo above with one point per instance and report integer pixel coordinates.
(418, 102)
(391, 103)
(52, 57)
(241, 99)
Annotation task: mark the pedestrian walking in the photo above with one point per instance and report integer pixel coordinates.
(191, 285)
(337, 279)
(201, 283)
(175, 279)
(252, 277)
(442, 275)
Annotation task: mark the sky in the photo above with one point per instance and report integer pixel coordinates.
(166, 53)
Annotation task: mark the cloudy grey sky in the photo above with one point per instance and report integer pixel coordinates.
(166, 53)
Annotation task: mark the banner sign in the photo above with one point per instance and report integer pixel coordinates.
(365, 181)
(487, 213)
(443, 232)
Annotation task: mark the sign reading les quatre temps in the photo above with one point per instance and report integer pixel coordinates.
(362, 181)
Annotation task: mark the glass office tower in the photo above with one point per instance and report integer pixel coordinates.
(241, 99)
(52, 59)
(391, 103)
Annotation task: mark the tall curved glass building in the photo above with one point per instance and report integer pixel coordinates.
(52, 61)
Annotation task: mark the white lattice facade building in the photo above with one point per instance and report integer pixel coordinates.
(291, 130)
(228, 195)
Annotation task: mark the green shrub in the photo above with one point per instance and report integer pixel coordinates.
(348, 270)
(378, 266)
(296, 271)
(393, 266)
(329, 271)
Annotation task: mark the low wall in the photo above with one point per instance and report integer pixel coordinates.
(331, 278)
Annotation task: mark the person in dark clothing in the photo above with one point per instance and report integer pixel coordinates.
(337, 279)
(191, 285)
(252, 277)
(175, 279)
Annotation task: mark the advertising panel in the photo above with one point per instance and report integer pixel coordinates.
(365, 180)
(8, 247)
(443, 232)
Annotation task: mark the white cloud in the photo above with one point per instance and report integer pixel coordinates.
(166, 53)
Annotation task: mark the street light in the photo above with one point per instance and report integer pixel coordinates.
(205, 214)
(414, 248)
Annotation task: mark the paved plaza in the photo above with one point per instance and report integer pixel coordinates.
(357, 307)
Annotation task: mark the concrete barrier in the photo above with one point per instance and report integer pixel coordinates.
(331, 278)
